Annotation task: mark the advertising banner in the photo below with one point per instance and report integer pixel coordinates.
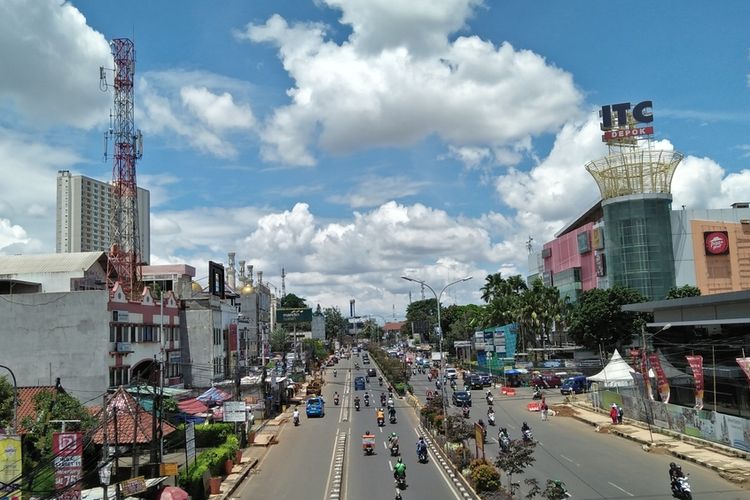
(745, 365)
(662, 384)
(696, 364)
(646, 379)
(293, 315)
(10, 467)
(68, 450)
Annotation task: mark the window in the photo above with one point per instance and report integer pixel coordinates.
(133, 334)
(119, 375)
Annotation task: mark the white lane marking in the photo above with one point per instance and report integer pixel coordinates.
(570, 460)
(624, 491)
(440, 468)
(390, 465)
(381, 429)
(333, 461)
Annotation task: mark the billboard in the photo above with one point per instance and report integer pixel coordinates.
(68, 450)
(10, 466)
(716, 242)
(620, 121)
(293, 315)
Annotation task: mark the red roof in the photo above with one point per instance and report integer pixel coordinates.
(133, 422)
(192, 406)
(393, 326)
(26, 403)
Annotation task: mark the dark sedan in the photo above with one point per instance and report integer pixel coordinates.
(462, 397)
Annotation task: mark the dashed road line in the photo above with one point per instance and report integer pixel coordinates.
(624, 491)
(339, 454)
(445, 469)
(570, 460)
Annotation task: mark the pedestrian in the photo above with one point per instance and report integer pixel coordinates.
(613, 413)
(619, 414)
(544, 409)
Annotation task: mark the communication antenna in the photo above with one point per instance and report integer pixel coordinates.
(283, 283)
(125, 260)
(528, 243)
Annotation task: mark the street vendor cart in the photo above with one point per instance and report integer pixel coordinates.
(368, 443)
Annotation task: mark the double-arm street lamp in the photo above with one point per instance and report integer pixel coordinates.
(440, 332)
(646, 382)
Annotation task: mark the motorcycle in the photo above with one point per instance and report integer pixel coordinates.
(367, 401)
(491, 418)
(381, 421)
(538, 394)
(334, 373)
(437, 385)
(422, 456)
(504, 442)
(466, 412)
(681, 489)
(367, 380)
(382, 400)
(336, 400)
(392, 418)
(489, 399)
(400, 481)
(429, 377)
(380, 381)
(527, 437)
(296, 420)
(356, 405)
(394, 450)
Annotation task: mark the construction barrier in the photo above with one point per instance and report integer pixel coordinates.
(508, 391)
(534, 406)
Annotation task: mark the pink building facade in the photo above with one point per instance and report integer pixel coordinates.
(574, 262)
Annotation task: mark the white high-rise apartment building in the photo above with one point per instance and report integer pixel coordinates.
(83, 215)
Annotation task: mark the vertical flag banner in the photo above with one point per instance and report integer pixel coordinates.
(662, 384)
(68, 450)
(10, 467)
(646, 378)
(696, 364)
(745, 365)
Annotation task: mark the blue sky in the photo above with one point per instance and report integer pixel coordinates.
(354, 141)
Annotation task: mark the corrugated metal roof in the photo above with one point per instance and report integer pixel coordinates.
(48, 263)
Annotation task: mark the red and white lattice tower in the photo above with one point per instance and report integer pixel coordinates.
(125, 250)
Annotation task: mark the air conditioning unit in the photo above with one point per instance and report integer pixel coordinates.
(546, 253)
(124, 347)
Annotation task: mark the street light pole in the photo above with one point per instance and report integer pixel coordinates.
(15, 397)
(440, 332)
(646, 381)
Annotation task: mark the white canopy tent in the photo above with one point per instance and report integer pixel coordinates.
(615, 374)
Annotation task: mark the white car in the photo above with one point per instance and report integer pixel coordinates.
(451, 373)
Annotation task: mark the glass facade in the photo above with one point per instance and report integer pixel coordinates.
(638, 238)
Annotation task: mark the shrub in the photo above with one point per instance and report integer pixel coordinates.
(485, 477)
(206, 436)
(212, 460)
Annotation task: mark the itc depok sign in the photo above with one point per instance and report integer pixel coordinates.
(616, 125)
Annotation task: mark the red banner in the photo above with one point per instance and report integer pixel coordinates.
(646, 378)
(745, 365)
(68, 450)
(662, 383)
(696, 364)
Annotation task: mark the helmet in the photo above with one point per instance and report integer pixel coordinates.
(393, 434)
(399, 460)
(672, 465)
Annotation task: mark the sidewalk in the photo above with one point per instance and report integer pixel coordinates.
(265, 436)
(730, 463)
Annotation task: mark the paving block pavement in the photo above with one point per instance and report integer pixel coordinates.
(730, 463)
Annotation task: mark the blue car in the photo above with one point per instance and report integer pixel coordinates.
(315, 407)
(359, 384)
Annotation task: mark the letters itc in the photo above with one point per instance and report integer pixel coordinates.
(642, 113)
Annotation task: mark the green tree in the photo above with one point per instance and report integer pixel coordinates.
(291, 301)
(502, 297)
(316, 349)
(538, 309)
(422, 315)
(597, 319)
(336, 324)
(678, 292)
(516, 459)
(278, 339)
(6, 402)
(462, 321)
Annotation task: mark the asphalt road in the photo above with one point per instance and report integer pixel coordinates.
(592, 465)
(301, 465)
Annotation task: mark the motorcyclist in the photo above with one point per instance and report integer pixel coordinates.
(336, 398)
(526, 432)
(379, 415)
(466, 410)
(503, 438)
(399, 470)
(675, 471)
(356, 402)
(392, 412)
(380, 380)
(367, 399)
(382, 398)
(490, 414)
(488, 396)
(421, 447)
(390, 403)
(334, 373)
(559, 489)
(392, 439)
(295, 416)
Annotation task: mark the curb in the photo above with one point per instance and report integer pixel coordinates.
(459, 481)
(242, 476)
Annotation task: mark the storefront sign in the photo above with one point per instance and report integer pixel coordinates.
(615, 120)
(234, 411)
(717, 242)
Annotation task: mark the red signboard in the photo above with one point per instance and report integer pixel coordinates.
(696, 364)
(745, 365)
(717, 242)
(68, 450)
(662, 384)
(624, 133)
(233, 337)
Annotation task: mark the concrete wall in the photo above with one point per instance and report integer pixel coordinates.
(66, 335)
